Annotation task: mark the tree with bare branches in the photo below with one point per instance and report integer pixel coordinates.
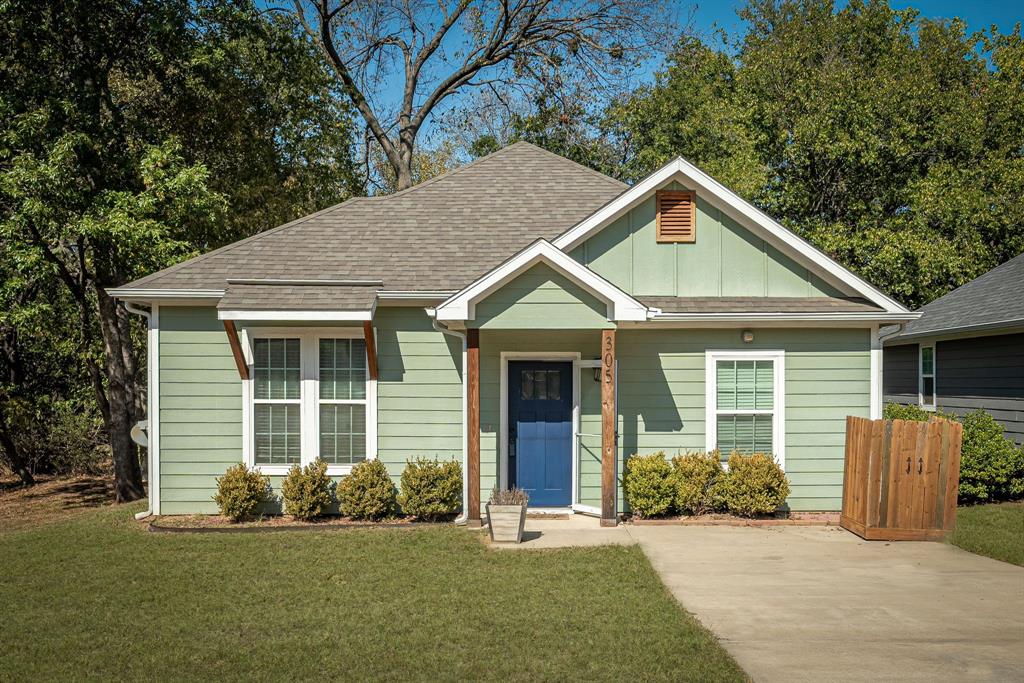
(399, 60)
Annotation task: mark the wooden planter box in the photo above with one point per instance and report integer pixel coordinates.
(901, 478)
(506, 522)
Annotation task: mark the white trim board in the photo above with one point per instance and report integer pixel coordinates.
(462, 306)
(778, 358)
(740, 210)
(554, 357)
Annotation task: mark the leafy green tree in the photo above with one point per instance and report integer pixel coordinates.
(136, 133)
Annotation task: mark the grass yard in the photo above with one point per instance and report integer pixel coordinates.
(98, 597)
(995, 531)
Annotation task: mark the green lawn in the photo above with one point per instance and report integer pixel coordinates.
(995, 530)
(97, 597)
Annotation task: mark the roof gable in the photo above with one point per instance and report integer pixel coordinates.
(737, 212)
(620, 306)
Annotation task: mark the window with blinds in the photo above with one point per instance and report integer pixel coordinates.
(745, 406)
(277, 399)
(342, 401)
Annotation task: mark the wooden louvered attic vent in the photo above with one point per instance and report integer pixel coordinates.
(677, 216)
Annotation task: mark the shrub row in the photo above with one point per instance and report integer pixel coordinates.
(991, 466)
(430, 490)
(696, 483)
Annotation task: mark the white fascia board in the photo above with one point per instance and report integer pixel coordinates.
(881, 316)
(748, 215)
(161, 294)
(294, 315)
(621, 306)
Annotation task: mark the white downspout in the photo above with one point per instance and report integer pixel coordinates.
(131, 308)
(432, 314)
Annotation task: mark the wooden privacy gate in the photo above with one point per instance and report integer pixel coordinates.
(901, 478)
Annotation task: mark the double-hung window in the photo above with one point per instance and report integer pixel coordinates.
(310, 397)
(744, 402)
(926, 383)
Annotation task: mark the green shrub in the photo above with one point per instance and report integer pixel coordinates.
(367, 493)
(694, 476)
(431, 490)
(240, 491)
(753, 485)
(991, 466)
(307, 491)
(647, 483)
(897, 411)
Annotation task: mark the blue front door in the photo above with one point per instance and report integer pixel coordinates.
(540, 431)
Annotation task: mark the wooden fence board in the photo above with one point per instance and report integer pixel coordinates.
(900, 478)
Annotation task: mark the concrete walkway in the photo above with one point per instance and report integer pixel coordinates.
(819, 604)
(566, 532)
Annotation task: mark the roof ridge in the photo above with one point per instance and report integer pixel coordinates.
(602, 176)
(251, 238)
(447, 174)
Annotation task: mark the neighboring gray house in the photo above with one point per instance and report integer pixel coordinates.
(966, 351)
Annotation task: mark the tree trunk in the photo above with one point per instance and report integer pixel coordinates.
(17, 463)
(127, 473)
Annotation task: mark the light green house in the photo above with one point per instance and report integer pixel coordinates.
(532, 318)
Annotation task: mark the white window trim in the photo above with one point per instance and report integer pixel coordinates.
(921, 375)
(778, 358)
(309, 339)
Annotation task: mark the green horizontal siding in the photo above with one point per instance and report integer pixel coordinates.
(725, 259)
(200, 408)
(419, 390)
(541, 298)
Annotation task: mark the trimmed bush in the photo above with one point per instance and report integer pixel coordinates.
(240, 491)
(753, 485)
(647, 483)
(307, 491)
(431, 490)
(991, 466)
(694, 476)
(367, 493)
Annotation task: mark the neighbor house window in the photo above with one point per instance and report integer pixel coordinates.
(744, 397)
(926, 385)
(277, 401)
(311, 398)
(342, 408)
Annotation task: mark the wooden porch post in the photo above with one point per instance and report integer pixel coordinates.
(608, 428)
(473, 426)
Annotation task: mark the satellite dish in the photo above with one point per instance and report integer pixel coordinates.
(138, 433)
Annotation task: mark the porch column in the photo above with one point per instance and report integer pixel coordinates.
(473, 426)
(608, 428)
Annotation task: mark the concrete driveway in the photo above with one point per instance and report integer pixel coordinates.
(819, 604)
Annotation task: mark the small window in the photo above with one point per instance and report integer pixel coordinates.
(926, 385)
(277, 398)
(745, 406)
(542, 385)
(677, 216)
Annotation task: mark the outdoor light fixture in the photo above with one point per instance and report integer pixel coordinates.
(747, 336)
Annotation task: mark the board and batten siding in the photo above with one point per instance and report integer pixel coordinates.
(661, 397)
(724, 260)
(541, 299)
(200, 408)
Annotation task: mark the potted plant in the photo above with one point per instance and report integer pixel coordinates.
(506, 515)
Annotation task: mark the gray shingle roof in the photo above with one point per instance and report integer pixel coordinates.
(728, 304)
(439, 235)
(297, 297)
(995, 298)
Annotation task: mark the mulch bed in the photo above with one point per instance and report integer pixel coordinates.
(800, 519)
(216, 524)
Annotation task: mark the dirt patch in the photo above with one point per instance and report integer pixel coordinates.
(52, 499)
